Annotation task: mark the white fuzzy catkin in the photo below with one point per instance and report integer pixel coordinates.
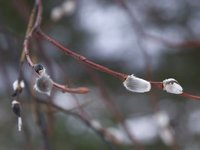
(17, 85)
(172, 86)
(135, 84)
(44, 84)
(19, 123)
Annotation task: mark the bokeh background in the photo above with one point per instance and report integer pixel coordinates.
(154, 40)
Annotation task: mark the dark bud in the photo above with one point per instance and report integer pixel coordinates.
(16, 107)
(39, 68)
(17, 92)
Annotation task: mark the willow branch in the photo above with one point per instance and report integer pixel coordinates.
(100, 132)
(30, 29)
(159, 85)
(81, 58)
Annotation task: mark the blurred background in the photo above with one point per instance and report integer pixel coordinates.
(154, 40)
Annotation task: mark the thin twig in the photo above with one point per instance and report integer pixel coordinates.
(111, 106)
(87, 122)
(81, 58)
(84, 60)
(25, 44)
(29, 33)
(159, 85)
(63, 88)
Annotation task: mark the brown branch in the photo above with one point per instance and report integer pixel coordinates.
(84, 60)
(159, 85)
(63, 88)
(190, 96)
(100, 132)
(39, 14)
(111, 106)
(139, 29)
(25, 52)
(26, 42)
(81, 58)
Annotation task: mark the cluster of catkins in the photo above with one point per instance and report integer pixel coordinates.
(16, 106)
(43, 84)
(138, 85)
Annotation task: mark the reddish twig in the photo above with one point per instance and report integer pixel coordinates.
(159, 85)
(81, 58)
(190, 96)
(111, 106)
(63, 88)
(101, 132)
(25, 53)
(84, 60)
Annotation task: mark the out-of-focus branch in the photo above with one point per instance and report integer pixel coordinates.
(111, 106)
(26, 42)
(42, 123)
(101, 132)
(142, 32)
(139, 30)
